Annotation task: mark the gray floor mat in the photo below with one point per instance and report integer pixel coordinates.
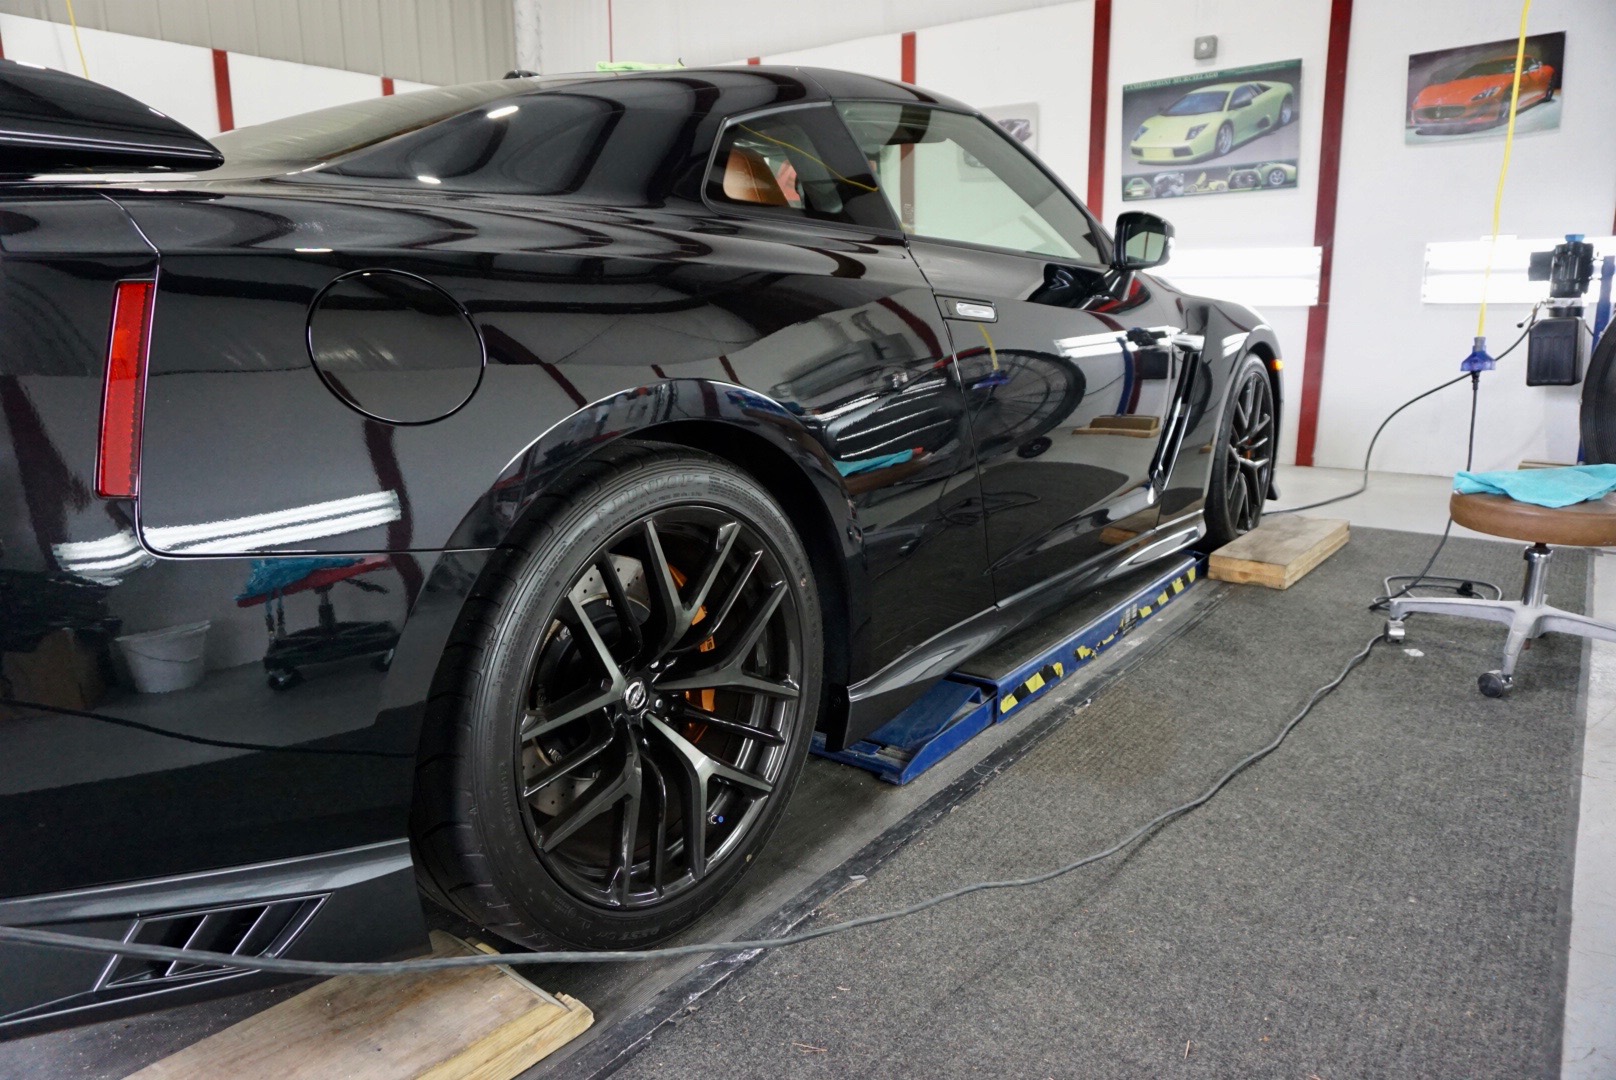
(1387, 895)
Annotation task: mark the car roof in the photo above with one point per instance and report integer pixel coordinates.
(816, 82)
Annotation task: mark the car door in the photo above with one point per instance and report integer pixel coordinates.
(1067, 386)
(1249, 120)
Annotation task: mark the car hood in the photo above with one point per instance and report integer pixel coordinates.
(1460, 91)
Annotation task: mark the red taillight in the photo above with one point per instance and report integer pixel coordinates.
(117, 472)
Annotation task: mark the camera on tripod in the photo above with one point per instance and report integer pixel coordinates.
(1556, 350)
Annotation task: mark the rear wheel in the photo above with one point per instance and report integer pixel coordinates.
(1287, 111)
(1244, 466)
(626, 710)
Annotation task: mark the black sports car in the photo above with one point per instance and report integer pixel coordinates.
(489, 490)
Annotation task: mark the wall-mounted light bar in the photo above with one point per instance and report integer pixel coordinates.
(1455, 270)
(1257, 277)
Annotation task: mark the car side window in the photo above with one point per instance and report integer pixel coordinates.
(795, 163)
(1243, 97)
(950, 176)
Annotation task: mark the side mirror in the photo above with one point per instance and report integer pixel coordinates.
(1142, 241)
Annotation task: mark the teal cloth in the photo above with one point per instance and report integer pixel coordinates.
(1542, 487)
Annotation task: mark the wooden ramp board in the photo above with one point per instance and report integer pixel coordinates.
(1279, 552)
(487, 1023)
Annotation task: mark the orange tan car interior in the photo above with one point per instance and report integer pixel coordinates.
(747, 178)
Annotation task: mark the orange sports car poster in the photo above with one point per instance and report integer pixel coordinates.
(1465, 92)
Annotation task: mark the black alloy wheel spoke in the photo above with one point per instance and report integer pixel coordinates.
(657, 787)
(697, 715)
(620, 886)
(633, 637)
(729, 671)
(537, 722)
(607, 791)
(597, 745)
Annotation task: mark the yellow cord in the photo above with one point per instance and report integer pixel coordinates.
(77, 44)
(1503, 172)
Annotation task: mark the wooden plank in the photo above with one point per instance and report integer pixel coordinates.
(483, 1023)
(1136, 427)
(1280, 551)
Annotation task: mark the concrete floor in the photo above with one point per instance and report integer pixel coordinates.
(1419, 504)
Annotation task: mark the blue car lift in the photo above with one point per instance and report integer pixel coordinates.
(968, 702)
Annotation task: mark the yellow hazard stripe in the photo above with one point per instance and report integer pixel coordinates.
(1007, 703)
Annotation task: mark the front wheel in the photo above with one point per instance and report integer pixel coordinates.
(625, 708)
(1225, 141)
(1243, 467)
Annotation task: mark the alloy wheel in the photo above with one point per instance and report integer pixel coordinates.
(662, 700)
(1225, 141)
(1249, 454)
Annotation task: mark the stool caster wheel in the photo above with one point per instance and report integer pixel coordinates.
(1495, 684)
(1394, 631)
(284, 678)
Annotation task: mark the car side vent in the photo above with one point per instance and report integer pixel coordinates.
(245, 930)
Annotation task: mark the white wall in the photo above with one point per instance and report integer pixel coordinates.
(173, 79)
(573, 33)
(1044, 55)
(178, 79)
(1154, 40)
(1384, 344)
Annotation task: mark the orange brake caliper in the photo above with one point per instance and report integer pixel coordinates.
(706, 700)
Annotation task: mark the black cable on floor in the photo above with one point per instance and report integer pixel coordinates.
(1363, 484)
(82, 943)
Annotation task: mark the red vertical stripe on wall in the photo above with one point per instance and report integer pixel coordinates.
(2, 50)
(754, 60)
(906, 164)
(387, 86)
(1099, 105)
(1318, 319)
(221, 90)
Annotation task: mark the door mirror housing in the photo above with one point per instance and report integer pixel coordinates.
(1142, 241)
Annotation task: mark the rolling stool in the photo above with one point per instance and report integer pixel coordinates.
(1589, 524)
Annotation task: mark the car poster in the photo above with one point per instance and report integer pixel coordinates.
(1461, 94)
(1212, 133)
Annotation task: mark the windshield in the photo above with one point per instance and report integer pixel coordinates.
(1198, 103)
(1492, 67)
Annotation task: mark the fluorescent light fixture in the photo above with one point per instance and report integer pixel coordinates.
(501, 112)
(1257, 277)
(1455, 270)
(259, 531)
(428, 179)
(312, 251)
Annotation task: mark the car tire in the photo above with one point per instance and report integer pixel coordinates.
(1224, 142)
(1243, 461)
(1277, 178)
(1287, 111)
(539, 861)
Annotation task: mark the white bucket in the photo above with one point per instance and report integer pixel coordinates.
(166, 659)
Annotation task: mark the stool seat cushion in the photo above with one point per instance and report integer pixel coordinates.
(1588, 524)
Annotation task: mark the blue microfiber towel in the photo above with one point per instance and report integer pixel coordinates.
(1542, 487)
